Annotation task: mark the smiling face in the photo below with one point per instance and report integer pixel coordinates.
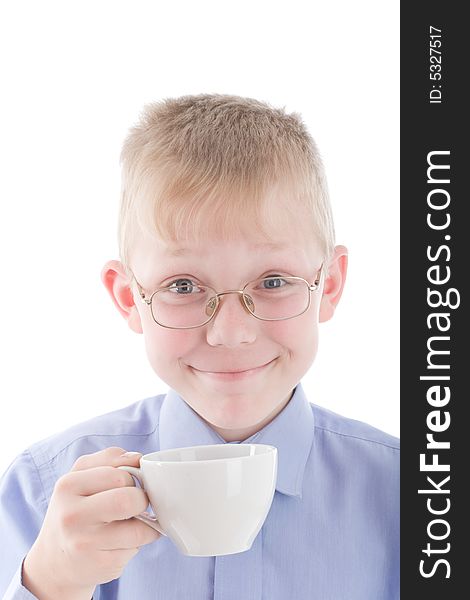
(270, 357)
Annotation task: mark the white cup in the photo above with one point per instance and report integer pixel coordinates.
(209, 500)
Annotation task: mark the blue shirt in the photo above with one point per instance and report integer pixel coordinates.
(332, 532)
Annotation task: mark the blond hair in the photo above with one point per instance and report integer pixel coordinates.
(207, 164)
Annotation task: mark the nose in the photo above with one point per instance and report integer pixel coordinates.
(233, 324)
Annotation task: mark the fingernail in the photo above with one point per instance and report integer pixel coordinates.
(131, 454)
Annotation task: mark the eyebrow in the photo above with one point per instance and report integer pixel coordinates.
(273, 246)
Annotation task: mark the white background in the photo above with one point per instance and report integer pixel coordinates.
(74, 77)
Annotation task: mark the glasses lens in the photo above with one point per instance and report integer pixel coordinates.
(187, 304)
(277, 297)
(184, 304)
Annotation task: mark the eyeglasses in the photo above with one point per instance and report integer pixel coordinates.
(185, 304)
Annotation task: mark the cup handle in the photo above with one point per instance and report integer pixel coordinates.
(145, 517)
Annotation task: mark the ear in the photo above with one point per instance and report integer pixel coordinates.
(116, 281)
(334, 283)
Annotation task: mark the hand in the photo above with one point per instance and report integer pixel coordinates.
(88, 535)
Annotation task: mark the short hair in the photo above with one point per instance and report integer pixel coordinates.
(206, 164)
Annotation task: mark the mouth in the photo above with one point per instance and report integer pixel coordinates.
(234, 375)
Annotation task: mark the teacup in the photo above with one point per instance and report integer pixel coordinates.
(209, 500)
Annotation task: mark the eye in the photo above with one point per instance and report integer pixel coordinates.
(272, 282)
(183, 287)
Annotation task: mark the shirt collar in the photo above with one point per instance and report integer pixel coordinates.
(291, 432)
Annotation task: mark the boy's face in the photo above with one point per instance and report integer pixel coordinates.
(199, 363)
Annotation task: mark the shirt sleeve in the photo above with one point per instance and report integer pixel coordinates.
(23, 506)
(16, 590)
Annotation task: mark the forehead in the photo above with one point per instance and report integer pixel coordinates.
(187, 249)
(280, 234)
(214, 258)
(251, 242)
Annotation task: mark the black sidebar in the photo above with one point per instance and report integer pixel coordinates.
(435, 259)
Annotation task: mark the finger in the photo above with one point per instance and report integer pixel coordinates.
(111, 456)
(94, 480)
(130, 533)
(114, 561)
(113, 505)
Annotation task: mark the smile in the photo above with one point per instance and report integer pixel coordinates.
(233, 375)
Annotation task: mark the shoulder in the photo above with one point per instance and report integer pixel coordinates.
(356, 447)
(359, 459)
(351, 431)
(357, 452)
(133, 427)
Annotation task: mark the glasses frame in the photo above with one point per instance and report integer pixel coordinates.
(312, 287)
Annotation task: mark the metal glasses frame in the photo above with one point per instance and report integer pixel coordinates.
(244, 299)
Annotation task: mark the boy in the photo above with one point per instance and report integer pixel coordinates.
(228, 264)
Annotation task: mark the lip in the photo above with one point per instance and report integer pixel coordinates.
(234, 375)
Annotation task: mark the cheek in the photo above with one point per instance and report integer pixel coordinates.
(299, 340)
(167, 345)
(295, 333)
